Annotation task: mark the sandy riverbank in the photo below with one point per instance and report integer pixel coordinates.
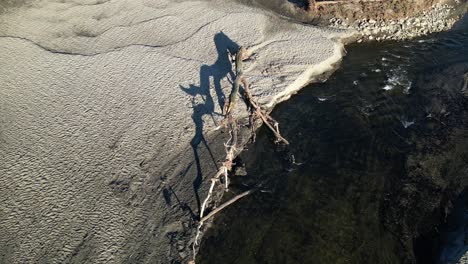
(106, 113)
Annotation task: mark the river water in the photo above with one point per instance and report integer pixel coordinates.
(338, 192)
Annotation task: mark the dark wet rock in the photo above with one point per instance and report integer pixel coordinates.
(465, 85)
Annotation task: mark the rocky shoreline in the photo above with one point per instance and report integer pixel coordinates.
(439, 18)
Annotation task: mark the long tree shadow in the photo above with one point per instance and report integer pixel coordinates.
(217, 71)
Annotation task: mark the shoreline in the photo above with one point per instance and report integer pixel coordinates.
(314, 73)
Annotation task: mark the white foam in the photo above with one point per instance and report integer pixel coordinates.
(388, 87)
(407, 124)
(398, 78)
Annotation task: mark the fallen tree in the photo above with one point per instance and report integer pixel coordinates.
(231, 146)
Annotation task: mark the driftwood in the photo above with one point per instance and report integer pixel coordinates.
(266, 118)
(231, 145)
(226, 204)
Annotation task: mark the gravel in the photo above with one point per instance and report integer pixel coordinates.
(438, 18)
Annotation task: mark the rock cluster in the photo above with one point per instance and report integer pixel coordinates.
(438, 18)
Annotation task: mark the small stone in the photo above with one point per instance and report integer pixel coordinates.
(240, 171)
(183, 255)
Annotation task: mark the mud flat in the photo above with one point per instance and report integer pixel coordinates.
(106, 116)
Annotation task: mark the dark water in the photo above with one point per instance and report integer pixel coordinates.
(329, 197)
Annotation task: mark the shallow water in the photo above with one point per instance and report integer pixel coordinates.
(324, 198)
